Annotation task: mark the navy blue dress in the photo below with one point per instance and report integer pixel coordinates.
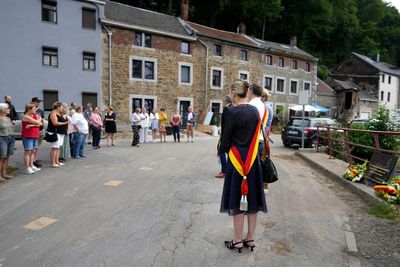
(239, 131)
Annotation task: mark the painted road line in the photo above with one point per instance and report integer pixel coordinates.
(154, 163)
(170, 158)
(40, 223)
(113, 183)
(145, 168)
(350, 241)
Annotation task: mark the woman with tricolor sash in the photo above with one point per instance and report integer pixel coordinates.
(243, 192)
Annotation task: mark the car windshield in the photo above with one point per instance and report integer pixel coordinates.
(299, 123)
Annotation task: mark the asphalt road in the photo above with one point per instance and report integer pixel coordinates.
(164, 211)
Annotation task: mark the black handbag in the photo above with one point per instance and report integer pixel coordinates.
(270, 174)
(50, 137)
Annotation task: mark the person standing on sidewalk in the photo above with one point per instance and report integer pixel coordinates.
(81, 130)
(190, 120)
(110, 125)
(13, 115)
(221, 153)
(36, 101)
(58, 124)
(240, 140)
(162, 124)
(30, 134)
(65, 152)
(97, 125)
(175, 123)
(154, 117)
(144, 126)
(135, 123)
(7, 141)
(87, 113)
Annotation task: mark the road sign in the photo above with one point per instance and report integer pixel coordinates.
(303, 97)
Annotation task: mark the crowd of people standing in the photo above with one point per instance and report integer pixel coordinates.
(67, 131)
(142, 121)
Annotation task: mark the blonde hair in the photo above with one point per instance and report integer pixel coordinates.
(266, 93)
(29, 107)
(240, 87)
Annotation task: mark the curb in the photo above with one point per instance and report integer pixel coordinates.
(359, 189)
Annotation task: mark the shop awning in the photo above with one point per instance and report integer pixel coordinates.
(320, 108)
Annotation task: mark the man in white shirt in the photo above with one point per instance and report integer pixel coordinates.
(254, 95)
(80, 131)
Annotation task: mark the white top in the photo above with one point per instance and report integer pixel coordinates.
(261, 110)
(79, 120)
(135, 119)
(145, 123)
(154, 117)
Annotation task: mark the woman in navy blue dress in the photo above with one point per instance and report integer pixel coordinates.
(239, 131)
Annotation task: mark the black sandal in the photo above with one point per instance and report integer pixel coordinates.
(246, 244)
(231, 245)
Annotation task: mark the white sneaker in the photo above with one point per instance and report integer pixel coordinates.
(29, 170)
(35, 169)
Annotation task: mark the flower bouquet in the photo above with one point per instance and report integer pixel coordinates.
(356, 172)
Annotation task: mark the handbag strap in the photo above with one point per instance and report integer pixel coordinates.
(264, 154)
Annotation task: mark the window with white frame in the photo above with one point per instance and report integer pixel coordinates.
(307, 86)
(294, 64)
(293, 86)
(49, 11)
(185, 48)
(281, 62)
(50, 56)
(217, 78)
(217, 50)
(389, 79)
(280, 85)
(89, 61)
(383, 78)
(388, 97)
(244, 75)
(185, 73)
(143, 39)
(268, 60)
(144, 69)
(268, 82)
(382, 95)
(307, 67)
(243, 55)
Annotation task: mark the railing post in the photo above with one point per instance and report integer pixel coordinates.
(376, 140)
(329, 142)
(347, 146)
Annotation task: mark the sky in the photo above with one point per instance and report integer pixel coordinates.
(395, 3)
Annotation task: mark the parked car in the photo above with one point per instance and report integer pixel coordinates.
(291, 133)
(17, 128)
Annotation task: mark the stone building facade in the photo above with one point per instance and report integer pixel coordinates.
(192, 64)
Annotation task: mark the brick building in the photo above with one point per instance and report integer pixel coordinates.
(165, 61)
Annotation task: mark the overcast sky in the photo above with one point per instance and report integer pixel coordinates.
(395, 3)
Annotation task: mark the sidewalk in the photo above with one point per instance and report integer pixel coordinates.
(333, 169)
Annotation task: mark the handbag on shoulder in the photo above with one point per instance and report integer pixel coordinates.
(270, 174)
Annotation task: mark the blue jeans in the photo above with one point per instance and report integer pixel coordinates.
(222, 159)
(175, 131)
(79, 144)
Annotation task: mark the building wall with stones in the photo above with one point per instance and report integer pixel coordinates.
(165, 91)
(257, 70)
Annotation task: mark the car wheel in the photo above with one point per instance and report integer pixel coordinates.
(286, 144)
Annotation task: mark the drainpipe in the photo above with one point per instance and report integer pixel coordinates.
(109, 34)
(205, 101)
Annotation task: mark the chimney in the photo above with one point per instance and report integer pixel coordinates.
(293, 41)
(185, 9)
(242, 28)
(376, 57)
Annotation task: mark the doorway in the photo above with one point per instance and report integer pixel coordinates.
(183, 108)
(216, 118)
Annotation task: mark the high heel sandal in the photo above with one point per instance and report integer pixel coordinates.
(246, 244)
(231, 245)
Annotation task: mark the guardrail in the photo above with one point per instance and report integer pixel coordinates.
(334, 138)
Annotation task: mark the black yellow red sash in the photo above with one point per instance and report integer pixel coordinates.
(243, 168)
